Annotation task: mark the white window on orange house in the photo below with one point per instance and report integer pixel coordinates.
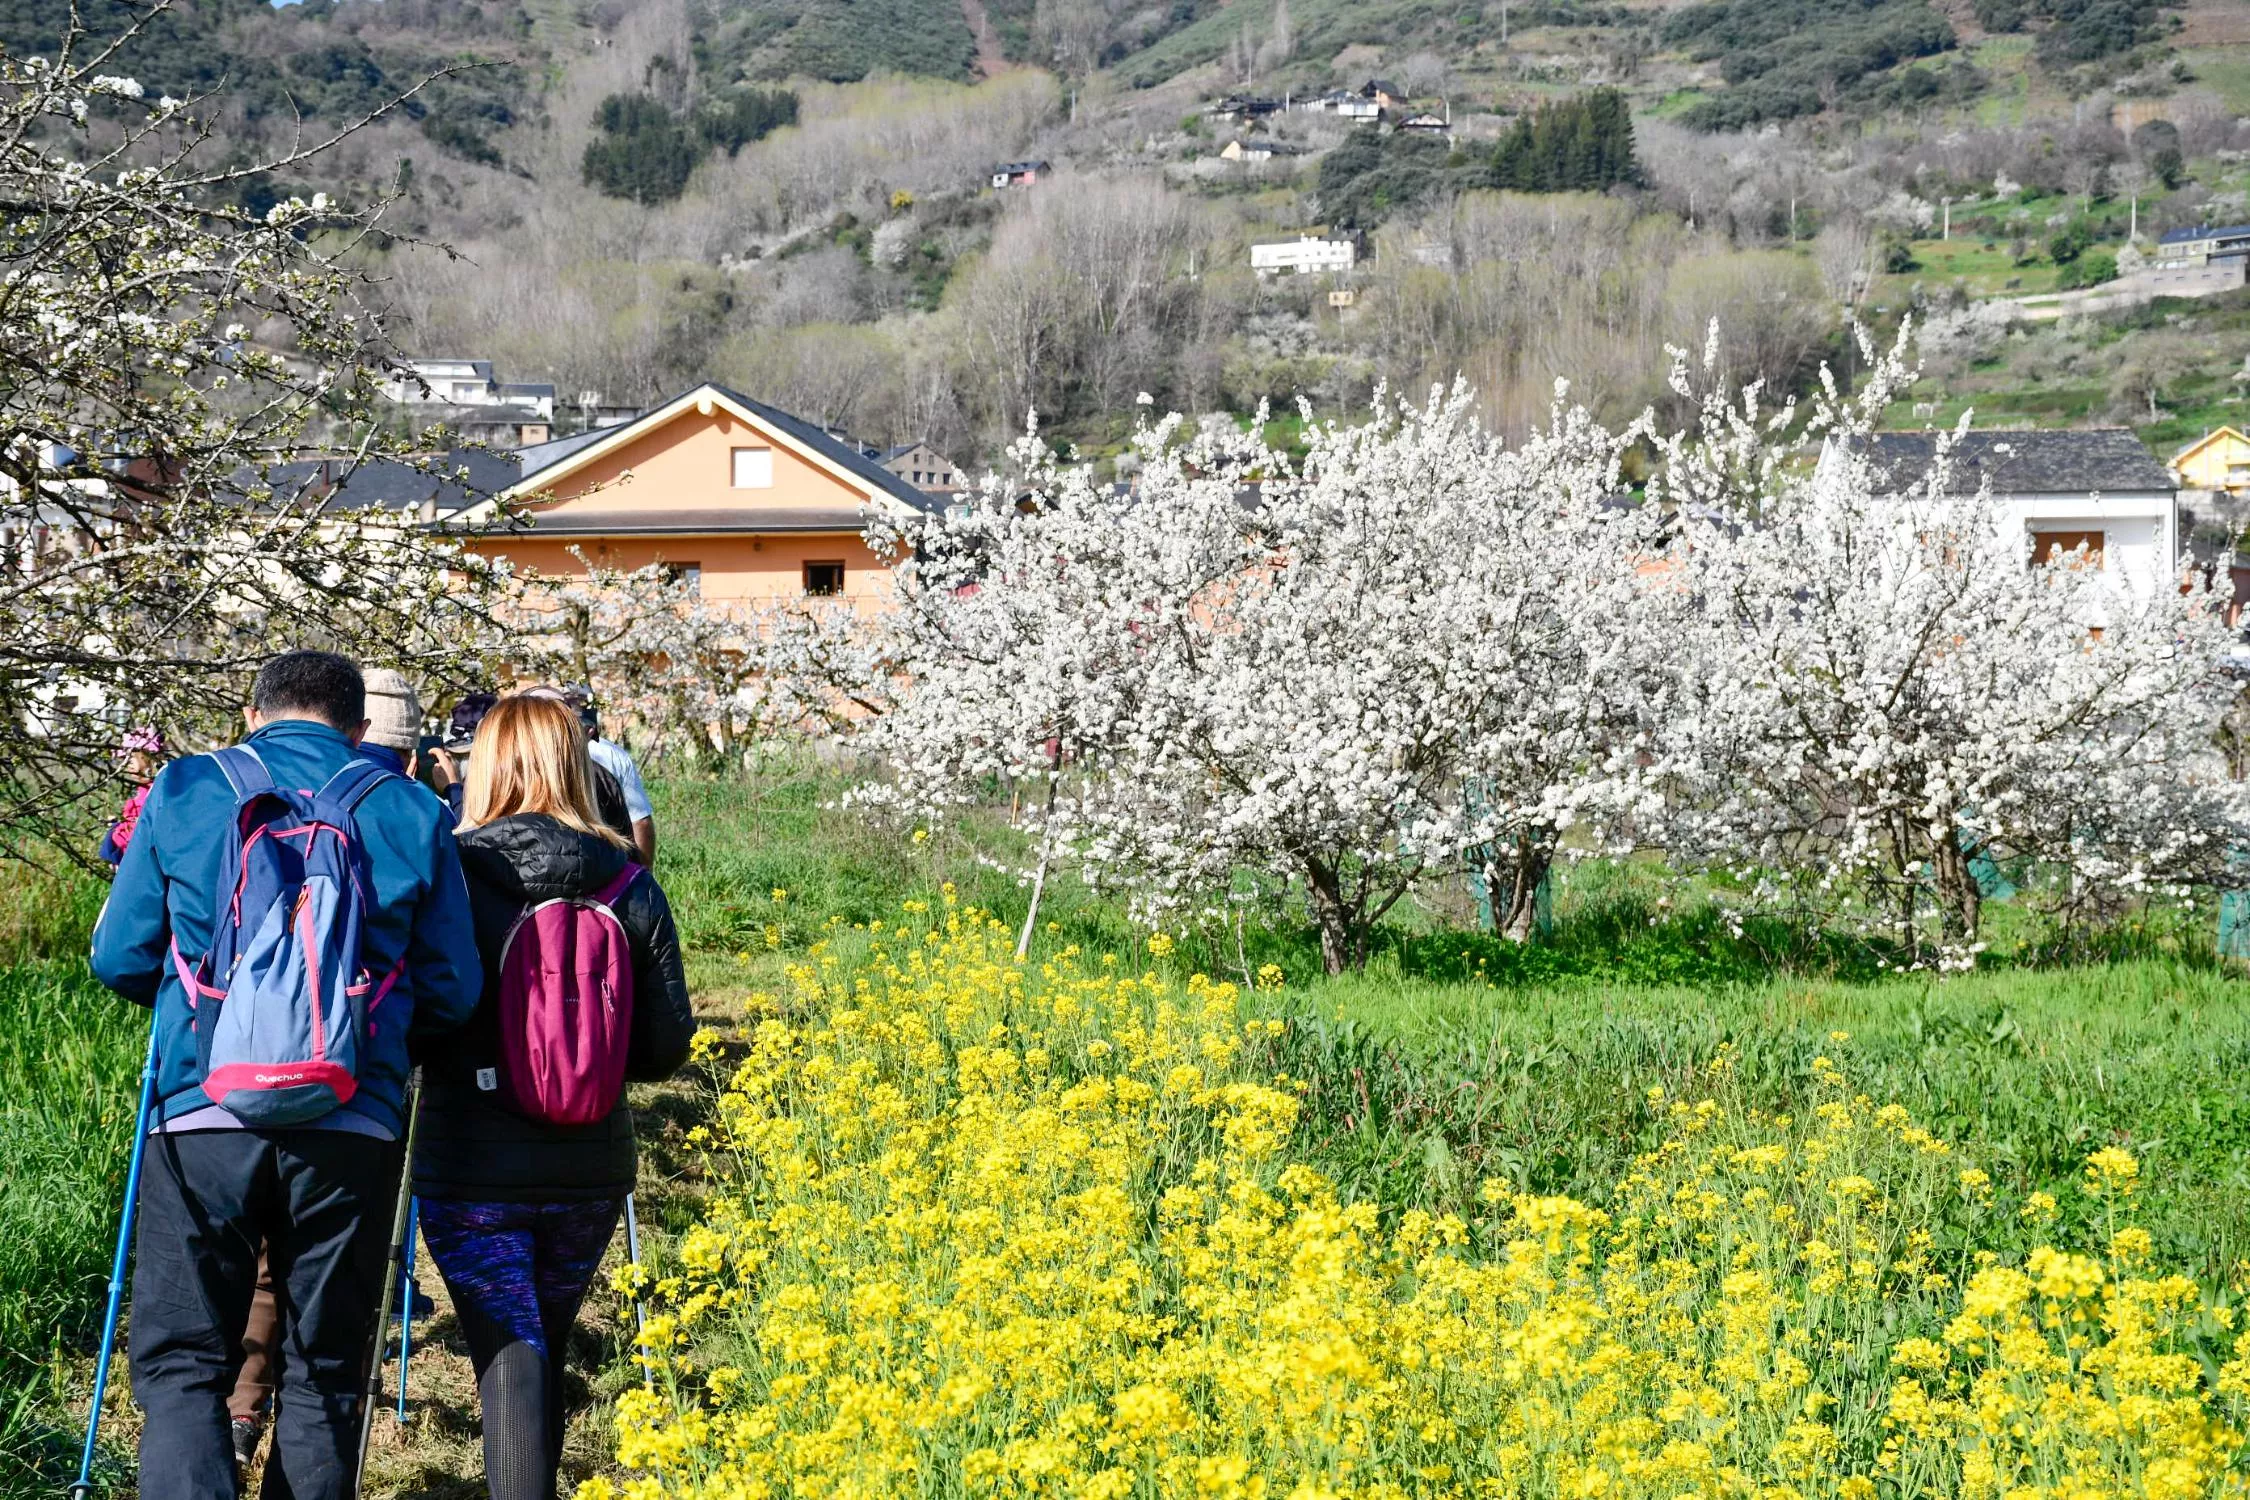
(753, 468)
(824, 580)
(689, 573)
(2063, 546)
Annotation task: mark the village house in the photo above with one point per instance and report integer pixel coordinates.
(2217, 461)
(1240, 107)
(2098, 489)
(2202, 244)
(1257, 150)
(1344, 105)
(1384, 94)
(751, 503)
(465, 397)
(1426, 123)
(466, 382)
(1015, 174)
(924, 467)
(1306, 255)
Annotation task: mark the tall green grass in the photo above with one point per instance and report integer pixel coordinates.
(1417, 1093)
(70, 1056)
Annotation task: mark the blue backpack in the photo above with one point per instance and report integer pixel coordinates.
(282, 1003)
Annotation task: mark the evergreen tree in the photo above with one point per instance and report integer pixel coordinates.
(643, 153)
(1582, 144)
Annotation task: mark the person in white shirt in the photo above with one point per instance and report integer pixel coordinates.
(618, 761)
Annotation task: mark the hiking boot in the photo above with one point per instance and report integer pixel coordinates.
(414, 1303)
(246, 1432)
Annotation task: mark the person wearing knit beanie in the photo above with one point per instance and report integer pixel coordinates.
(394, 721)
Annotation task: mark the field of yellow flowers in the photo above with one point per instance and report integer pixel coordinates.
(994, 1228)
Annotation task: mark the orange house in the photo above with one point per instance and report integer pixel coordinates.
(752, 503)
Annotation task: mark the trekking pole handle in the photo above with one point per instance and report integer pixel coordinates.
(84, 1484)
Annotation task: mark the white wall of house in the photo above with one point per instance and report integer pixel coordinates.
(2140, 533)
(1306, 256)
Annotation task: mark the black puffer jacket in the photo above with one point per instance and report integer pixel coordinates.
(471, 1146)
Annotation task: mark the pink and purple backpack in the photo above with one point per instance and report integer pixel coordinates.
(565, 1007)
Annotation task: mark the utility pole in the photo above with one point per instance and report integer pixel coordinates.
(1949, 218)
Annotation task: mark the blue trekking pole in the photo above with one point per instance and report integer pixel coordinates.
(85, 1482)
(406, 1297)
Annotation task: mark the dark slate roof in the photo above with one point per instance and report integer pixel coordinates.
(473, 414)
(532, 457)
(844, 455)
(2203, 232)
(1375, 86)
(394, 484)
(1013, 167)
(528, 388)
(2107, 460)
(700, 522)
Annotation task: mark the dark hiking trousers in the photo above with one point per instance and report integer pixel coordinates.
(321, 1203)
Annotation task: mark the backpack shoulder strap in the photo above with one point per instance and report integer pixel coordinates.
(351, 784)
(614, 892)
(244, 771)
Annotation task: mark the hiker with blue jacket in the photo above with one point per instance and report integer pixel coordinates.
(526, 1148)
(294, 913)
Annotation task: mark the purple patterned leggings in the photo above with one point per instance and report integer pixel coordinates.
(518, 1272)
(519, 1265)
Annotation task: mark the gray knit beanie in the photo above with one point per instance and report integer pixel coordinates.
(394, 714)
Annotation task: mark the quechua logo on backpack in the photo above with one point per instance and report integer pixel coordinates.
(566, 1007)
(284, 1003)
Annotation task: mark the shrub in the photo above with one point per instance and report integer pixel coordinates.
(2091, 269)
(1785, 58)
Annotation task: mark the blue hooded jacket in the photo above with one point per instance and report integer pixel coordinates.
(172, 879)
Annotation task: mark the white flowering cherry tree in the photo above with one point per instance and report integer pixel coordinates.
(160, 349)
(1881, 683)
(1346, 673)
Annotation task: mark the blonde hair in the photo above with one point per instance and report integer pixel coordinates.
(530, 757)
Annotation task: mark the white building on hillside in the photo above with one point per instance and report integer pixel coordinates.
(466, 382)
(1306, 255)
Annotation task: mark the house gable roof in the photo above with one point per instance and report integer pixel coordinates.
(544, 466)
(2206, 441)
(2203, 232)
(2104, 460)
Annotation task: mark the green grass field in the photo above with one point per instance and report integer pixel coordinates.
(70, 1056)
(1453, 1058)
